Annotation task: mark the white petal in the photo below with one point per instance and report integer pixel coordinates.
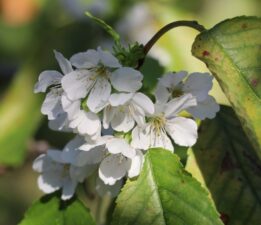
(90, 144)
(198, 84)
(140, 137)
(99, 95)
(111, 190)
(144, 102)
(44, 163)
(171, 80)
(55, 155)
(205, 109)
(46, 79)
(161, 140)
(52, 106)
(107, 59)
(122, 120)
(86, 123)
(137, 114)
(108, 114)
(49, 182)
(69, 187)
(38, 164)
(80, 173)
(182, 130)
(176, 105)
(91, 157)
(113, 168)
(136, 164)
(70, 151)
(126, 79)
(162, 94)
(85, 60)
(160, 108)
(70, 107)
(77, 84)
(74, 144)
(119, 145)
(60, 123)
(117, 99)
(64, 63)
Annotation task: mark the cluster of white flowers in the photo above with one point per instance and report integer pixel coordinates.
(98, 99)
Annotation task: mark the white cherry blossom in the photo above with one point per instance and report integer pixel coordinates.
(51, 80)
(122, 160)
(57, 172)
(166, 123)
(173, 85)
(86, 123)
(125, 109)
(96, 72)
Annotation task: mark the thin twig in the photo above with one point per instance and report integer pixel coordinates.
(163, 30)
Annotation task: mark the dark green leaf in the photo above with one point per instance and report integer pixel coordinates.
(232, 52)
(225, 161)
(152, 70)
(50, 210)
(164, 194)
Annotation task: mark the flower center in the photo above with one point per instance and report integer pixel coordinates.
(57, 90)
(101, 71)
(66, 168)
(176, 92)
(158, 123)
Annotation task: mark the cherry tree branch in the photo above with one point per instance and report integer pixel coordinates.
(165, 29)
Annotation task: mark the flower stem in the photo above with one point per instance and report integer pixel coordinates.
(163, 30)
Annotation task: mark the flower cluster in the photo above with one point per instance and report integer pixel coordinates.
(114, 123)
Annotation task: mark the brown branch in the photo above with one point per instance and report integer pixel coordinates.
(163, 30)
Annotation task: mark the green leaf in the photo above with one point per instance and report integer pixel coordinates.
(152, 70)
(224, 160)
(19, 117)
(164, 194)
(232, 52)
(105, 26)
(51, 210)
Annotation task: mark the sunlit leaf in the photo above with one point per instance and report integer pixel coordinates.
(225, 161)
(164, 193)
(51, 210)
(232, 52)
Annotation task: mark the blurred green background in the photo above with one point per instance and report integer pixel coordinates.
(31, 29)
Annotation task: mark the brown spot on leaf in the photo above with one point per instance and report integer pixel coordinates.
(254, 82)
(225, 218)
(205, 53)
(227, 164)
(216, 59)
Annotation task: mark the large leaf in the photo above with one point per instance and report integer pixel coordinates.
(164, 193)
(51, 210)
(224, 160)
(232, 51)
(19, 117)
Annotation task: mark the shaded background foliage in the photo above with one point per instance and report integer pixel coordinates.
(31, 29)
